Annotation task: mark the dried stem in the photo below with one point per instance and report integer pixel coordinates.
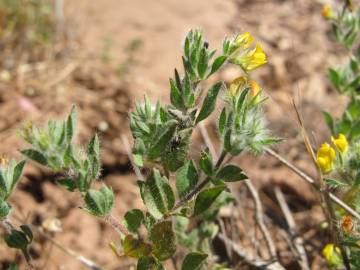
(296, 239)
(248, 258)
(259, 217)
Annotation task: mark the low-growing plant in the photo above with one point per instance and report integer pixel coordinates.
(177, 188)
(183, 191)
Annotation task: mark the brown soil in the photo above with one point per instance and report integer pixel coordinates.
(299, 49)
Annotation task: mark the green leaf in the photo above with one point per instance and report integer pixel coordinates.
(194, 261)
(17, 239)
(17, 173)
(209, 103)
(149, 263)
(68, 156)
(205, 162)
(94, 146)
(222, 121)
(355, 131)
(149, 221)
(138, 160)
(133, 220)
(4, 185)
(27, 231)
(68, 183)
(218, 62)
(188, 92)
(242, 98)
(71, 124)
(231, 173)
(203, 63)
(99, 203)
(13, 266)
(186, 179)
(335, 183)
(227, 141)
(163, 238)
(94, 156)
(335, 78)
(163, 140)
(135, 248)
(5, 209)
(35, 155)
(329, 121)
(175, 96)
(206, 198)
(157, 195)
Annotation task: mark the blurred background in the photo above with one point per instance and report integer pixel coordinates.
(103, 55)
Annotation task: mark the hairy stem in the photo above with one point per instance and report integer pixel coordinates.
(113, 222)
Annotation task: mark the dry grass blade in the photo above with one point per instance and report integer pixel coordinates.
(297, 241)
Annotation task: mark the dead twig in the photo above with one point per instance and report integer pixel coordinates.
(259, 217)
(250, 259)
(297, 241)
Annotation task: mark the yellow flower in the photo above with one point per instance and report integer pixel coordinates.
(325, 157)
(332, 255)
(3, 161)
(237, 85)
(240, 83)
(244, 41)
(327, 11)
(251, 59)
(340, 143)
(254, 88)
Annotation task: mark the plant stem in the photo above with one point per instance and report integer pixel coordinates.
(109, 219)
(199, 187)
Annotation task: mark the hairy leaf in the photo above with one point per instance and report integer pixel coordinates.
(206, 198)
(163, 238)
(186, 178)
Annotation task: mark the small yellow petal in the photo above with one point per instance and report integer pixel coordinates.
(244, 41)
(237, 85)
(327, 11)
(325, 157)
(332, 255)
(340, 143)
